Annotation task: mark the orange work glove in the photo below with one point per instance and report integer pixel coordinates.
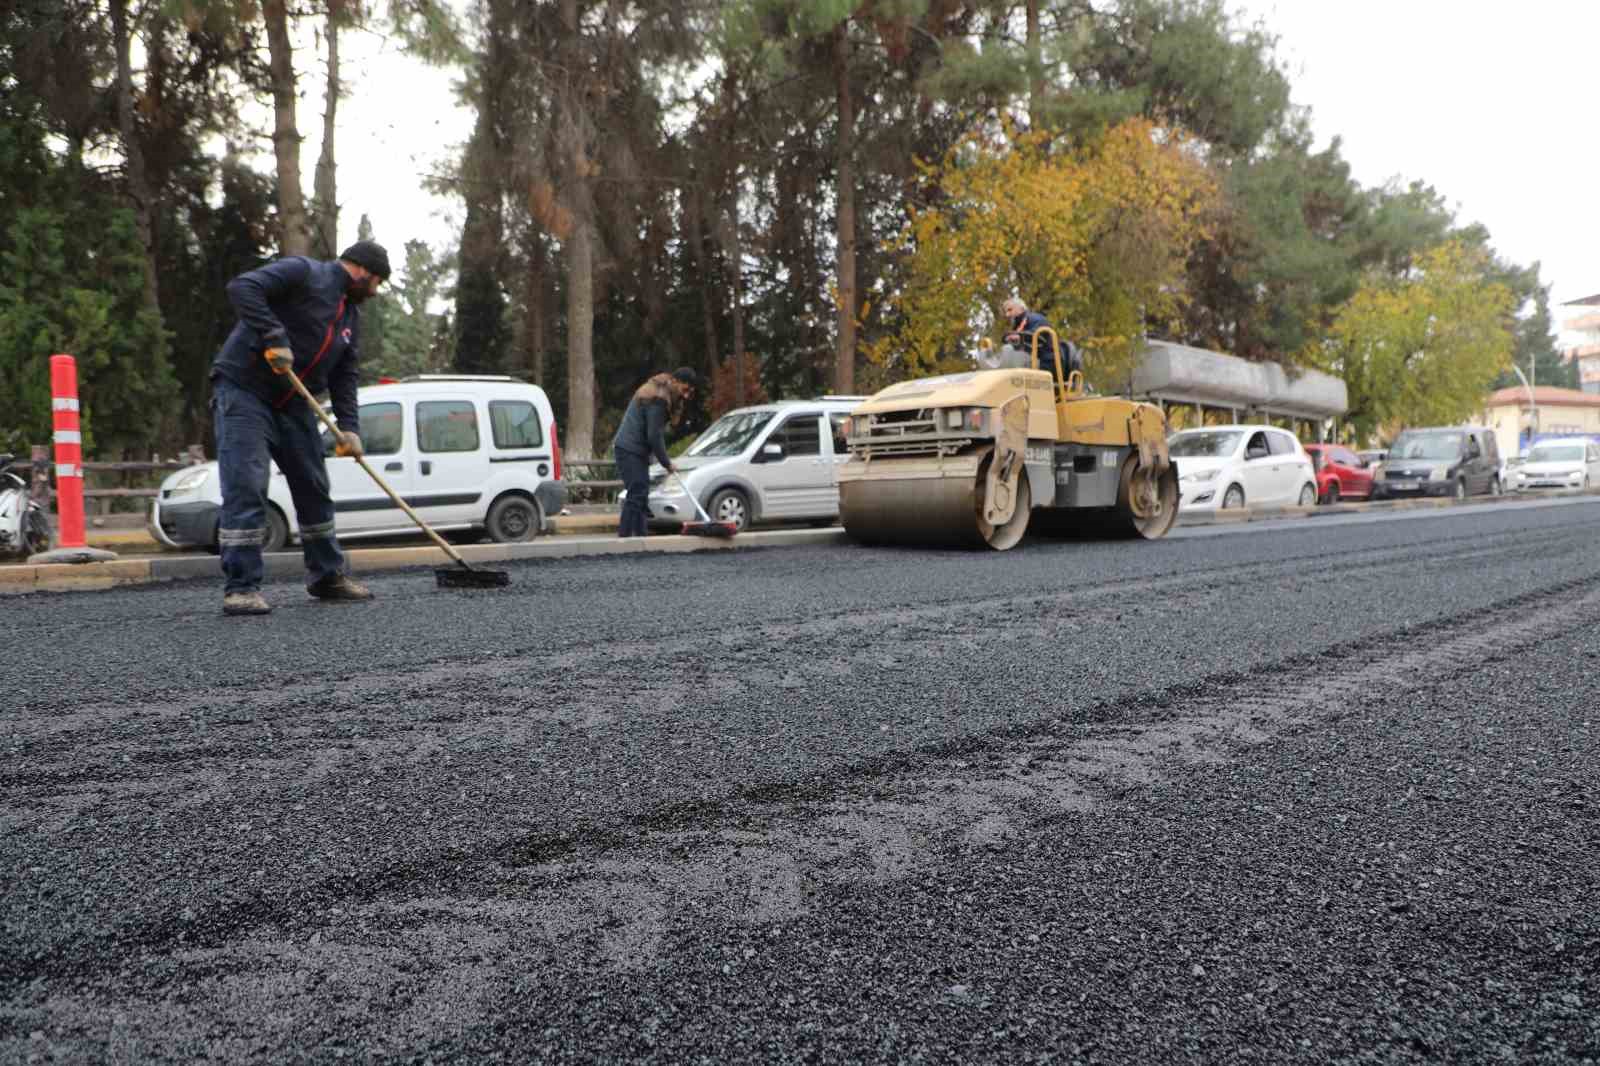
(349, 445)
(280, 359)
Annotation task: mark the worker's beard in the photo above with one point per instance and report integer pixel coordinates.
(361, 291)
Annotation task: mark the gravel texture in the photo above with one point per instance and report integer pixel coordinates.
(1314, 794)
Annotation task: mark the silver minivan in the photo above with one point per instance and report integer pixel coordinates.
(776, 462)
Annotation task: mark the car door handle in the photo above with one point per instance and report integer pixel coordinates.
(394, 468)
(427, 466)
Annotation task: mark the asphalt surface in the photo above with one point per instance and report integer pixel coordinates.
(1316, 791)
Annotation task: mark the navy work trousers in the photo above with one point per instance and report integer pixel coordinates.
(251, 435)
(634, 472)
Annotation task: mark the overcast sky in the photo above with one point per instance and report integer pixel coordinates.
(1492, 105)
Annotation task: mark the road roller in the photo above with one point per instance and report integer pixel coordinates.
(982, 457)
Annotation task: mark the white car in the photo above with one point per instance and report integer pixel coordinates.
(775, 462)
(1225, 467)
(465, 451)
(1560, 464)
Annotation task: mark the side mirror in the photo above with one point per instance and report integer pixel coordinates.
(771, 453)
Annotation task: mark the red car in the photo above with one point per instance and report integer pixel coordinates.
(1341, 473)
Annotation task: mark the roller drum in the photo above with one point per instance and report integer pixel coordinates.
(938, 511)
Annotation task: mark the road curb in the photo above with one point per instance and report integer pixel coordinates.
(95, 576)
(89, 577)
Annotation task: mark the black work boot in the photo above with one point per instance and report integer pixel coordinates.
(245, 603)
(339, 587)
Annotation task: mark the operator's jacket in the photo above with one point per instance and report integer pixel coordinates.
(1026, 325)
(644, 424)
(300, 304)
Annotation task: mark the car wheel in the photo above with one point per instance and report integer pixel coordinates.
(1233, 499)
(513, 519)
(277, 531)
(1461, 488)
(730, 505)
(1332, 495)
(1308, 495)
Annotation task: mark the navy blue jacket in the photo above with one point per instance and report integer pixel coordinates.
(299, 304)
(643, 431)
(1027, 324)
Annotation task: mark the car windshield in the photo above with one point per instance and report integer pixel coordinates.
(1556, 453)
(1426, 446)
(1199, 442)
(730, 434)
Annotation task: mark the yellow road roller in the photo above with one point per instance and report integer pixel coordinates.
(981, 457)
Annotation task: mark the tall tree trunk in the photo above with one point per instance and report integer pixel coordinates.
(579, 244)
(535, 307)
(138, 185)
(1035, 80)
(325, 189)
(580, 341)
(733, 251)
(294, 237)
(844, 370)
(696, 219)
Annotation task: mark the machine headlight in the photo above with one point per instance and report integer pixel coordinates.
(190, 482)
(1203, 477)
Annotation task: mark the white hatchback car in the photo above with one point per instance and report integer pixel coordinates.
(465, 451)
(773, 462)
(1224, 467)
(1560, 463)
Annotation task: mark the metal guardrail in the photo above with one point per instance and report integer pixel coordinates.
(582, 484)
(123, 471)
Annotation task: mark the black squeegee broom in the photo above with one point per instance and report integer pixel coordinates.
(705, 527)
(461, 576)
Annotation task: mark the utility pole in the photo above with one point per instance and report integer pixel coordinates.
(1533, 405)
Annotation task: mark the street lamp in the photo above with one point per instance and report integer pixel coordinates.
(1533, 404)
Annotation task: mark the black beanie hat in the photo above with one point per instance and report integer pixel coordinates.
(688, 375)
(368, 254)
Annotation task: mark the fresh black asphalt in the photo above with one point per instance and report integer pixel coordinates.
(1301, 792)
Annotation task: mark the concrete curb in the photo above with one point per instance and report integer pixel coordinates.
(1429, 503)
(93, 576)
(571, 544)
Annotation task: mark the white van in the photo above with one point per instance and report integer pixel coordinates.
(465, 451)
(771, 462)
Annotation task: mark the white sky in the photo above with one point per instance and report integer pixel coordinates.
(1492, 105)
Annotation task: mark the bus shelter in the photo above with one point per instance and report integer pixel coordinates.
(1196, 387)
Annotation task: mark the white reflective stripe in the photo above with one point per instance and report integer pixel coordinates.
(57, 403)
(67, 470)
(69, 436)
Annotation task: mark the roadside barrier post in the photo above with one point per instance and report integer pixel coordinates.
(70, 546)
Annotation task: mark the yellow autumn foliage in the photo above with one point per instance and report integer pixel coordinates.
(1094, 236)
(1423, 348)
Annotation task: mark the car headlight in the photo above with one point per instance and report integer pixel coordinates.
(1202, 477)
(190, 481)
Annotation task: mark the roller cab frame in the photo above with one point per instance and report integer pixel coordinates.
(981, 457)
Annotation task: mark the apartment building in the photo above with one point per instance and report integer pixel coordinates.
(1580, 339)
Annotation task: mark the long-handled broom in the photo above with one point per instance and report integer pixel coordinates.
(461, 576)
(705, 527)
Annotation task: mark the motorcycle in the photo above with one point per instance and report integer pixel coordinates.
(23, 527)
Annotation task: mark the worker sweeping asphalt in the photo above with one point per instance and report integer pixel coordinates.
(305, 315)
(642, 436)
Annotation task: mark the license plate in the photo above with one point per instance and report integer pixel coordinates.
(1402, 484)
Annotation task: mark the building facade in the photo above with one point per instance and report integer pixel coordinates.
(1552, 412)
(1581, 341)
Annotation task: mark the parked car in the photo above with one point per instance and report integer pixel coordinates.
(1573, 463)
(1374, 458)
(467, 452)
(1341, 473)
(1224, 467)
(1445, 461)
(772, 462)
